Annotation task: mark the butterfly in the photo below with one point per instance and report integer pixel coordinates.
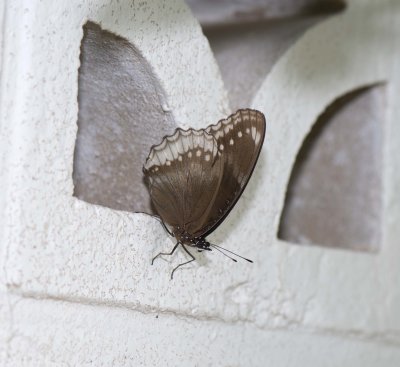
(195, 177)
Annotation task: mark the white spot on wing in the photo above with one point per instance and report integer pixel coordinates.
(185, 144)
(231, 142)
(198, 153)
(190, 154)
(207, 157)
(221, 147)
(253, 132)
(227, 128)
(174, 150)
(240, 134)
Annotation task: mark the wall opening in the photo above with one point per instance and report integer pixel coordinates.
(248, 37)
(121, 115)
(334, 196)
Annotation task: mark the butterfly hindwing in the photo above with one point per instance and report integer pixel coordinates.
(184, 174)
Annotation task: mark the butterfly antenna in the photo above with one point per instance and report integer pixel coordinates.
(219, 248)
(223, 253)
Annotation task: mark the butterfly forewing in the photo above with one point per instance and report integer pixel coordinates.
(184, 174)
(239, 138)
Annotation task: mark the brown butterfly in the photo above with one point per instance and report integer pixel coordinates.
(195, 177)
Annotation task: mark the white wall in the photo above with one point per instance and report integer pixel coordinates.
(76, 285)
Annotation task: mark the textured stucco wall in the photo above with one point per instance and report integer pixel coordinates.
(76, 285)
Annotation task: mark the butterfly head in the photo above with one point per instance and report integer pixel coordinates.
(202, 244)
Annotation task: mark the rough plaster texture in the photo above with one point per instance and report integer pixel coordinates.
(297, 305)
(119, 337)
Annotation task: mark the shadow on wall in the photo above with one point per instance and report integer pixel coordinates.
(121, 115)
(334, 197)
(249, 37)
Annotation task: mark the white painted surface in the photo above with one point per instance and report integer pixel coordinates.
(296, 305)
(105, 336)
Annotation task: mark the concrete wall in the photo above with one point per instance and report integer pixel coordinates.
(76, 284)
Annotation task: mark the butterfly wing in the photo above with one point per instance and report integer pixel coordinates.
(240, 138)
(183, 174)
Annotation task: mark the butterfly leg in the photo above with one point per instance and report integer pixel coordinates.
(166, 228)
(187, 262)
(165, 253)
(163, 224)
